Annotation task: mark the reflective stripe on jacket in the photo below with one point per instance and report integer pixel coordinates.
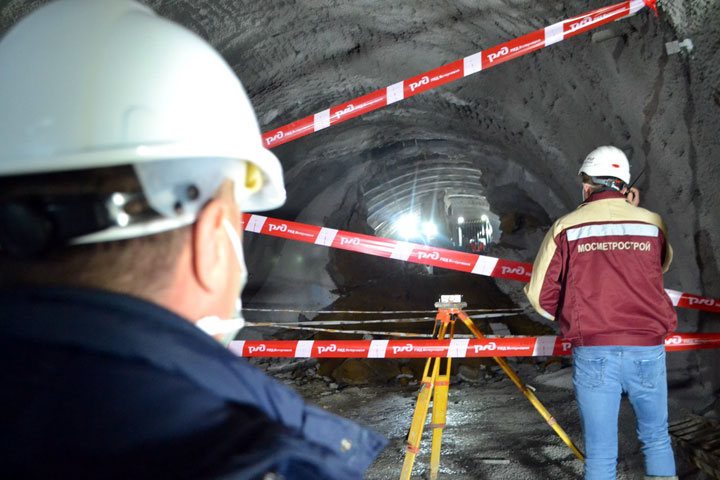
(599, 272)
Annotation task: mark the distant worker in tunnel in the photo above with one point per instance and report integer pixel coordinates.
(600, 273)
(477, 245)
(128, 151)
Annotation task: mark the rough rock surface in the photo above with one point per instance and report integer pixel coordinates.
(492, 431)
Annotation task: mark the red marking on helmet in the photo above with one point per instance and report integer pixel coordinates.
(616, 165)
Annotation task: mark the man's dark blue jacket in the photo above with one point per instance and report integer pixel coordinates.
(100, 385)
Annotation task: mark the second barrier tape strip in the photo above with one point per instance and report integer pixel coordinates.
(425, 254)
(453, 71)
(458, 348)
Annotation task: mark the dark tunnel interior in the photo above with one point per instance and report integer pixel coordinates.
(493, 157)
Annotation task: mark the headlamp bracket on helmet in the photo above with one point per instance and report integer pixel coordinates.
(609, 183)
(33, 225)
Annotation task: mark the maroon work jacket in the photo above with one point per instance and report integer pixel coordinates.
(599, 272)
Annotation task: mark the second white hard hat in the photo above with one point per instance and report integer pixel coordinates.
(607, 161)
(92, 84)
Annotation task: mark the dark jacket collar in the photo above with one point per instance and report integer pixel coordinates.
(94, 321)
(604, 195)
(128, 327)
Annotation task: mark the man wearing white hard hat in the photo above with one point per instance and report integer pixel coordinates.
(128, 150)
(599, 273)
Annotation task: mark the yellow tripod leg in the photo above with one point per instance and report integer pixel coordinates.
(440, 398)
(419, 417)
(421, 408)
(523, 388)
(439, 415)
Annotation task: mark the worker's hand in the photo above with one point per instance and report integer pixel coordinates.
(633, 196)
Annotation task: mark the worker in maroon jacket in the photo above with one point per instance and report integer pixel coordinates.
(600, 273)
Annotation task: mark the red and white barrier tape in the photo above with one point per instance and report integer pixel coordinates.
(456, 348)
(452, 71)
(424, 254)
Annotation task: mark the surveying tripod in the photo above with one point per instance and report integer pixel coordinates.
(436, 382)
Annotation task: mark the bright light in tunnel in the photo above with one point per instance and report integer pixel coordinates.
(461, 220)
(429, 229)
(407, 225)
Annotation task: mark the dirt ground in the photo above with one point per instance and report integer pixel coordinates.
(492, 431)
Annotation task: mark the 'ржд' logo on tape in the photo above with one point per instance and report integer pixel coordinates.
(588, 20)
(519, 270)
(500, 53)
(429, 256)
(278, 136)
(279, 228)
(580, 24)
(708, 302)
(259, 348)
(349, 241)
(350, 108)
(329, 348)
(674, 340)
(481, 348)
(405, 348)
(423, 81)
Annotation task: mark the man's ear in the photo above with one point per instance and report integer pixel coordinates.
(587, 190)
(209, 247)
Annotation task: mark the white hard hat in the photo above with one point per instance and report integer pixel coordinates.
(606, 161)
(91, 84)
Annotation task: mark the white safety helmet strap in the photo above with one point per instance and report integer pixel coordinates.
(176, 190)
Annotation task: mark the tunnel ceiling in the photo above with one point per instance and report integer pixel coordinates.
(507, 141)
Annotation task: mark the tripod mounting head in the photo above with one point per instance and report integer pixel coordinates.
(451, 301)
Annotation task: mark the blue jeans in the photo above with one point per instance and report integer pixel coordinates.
(600, 376)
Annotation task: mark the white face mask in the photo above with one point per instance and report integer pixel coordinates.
(230, 327)
(237, 247)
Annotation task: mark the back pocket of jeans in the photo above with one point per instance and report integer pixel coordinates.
(588, 372)
(649, 370)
